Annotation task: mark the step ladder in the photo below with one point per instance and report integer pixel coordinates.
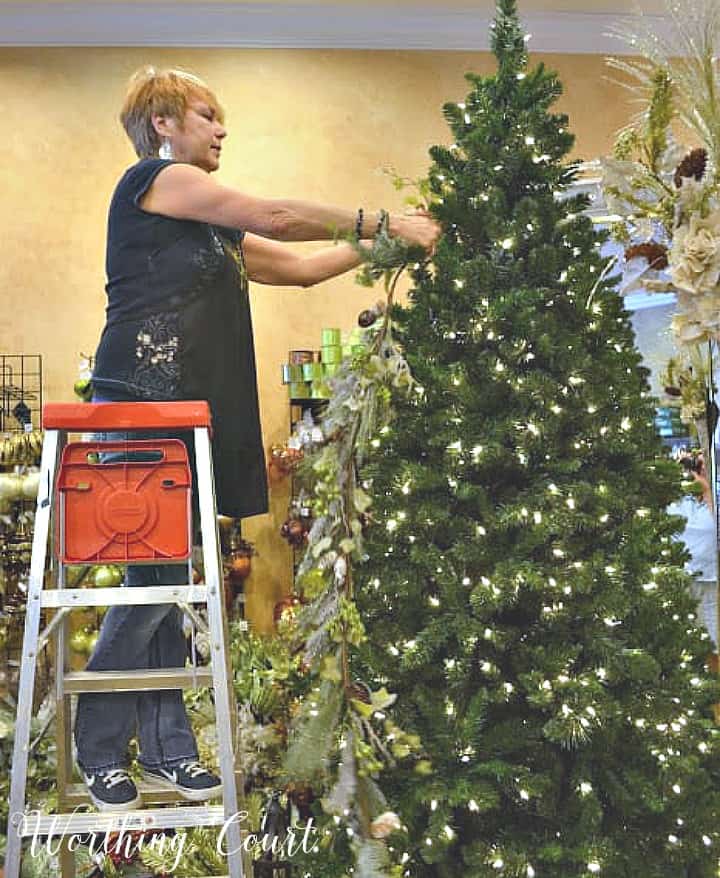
(145, 518)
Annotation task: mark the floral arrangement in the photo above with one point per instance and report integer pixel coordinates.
(667, 196)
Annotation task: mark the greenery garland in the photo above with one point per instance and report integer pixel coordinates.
(343, 737)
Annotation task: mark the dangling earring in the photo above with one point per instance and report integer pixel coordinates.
(165, 151)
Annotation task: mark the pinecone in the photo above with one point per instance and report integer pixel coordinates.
(693, 165)
(302, 796)
(360, 692)
(656, 254)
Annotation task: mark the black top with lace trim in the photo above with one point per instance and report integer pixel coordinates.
(179, 327)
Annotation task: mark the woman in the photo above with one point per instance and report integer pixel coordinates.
(180, 251)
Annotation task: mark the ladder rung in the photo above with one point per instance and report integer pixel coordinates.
(153, 792)
(138, 680)
(114, 821)
(77, 794)
(134, 595)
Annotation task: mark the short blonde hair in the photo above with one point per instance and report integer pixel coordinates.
(163, 93)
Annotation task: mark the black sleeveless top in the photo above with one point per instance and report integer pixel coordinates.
(179, 327)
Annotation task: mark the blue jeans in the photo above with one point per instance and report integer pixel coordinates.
(137, 637)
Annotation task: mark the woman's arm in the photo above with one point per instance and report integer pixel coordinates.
(186, 192)
(271, 263)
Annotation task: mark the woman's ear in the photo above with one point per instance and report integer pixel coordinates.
(163, 125)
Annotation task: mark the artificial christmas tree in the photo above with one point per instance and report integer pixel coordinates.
(523, 593)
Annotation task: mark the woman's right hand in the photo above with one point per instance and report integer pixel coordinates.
(417, 228)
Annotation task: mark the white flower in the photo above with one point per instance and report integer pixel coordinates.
(617, 175)
(695, 254)
(688, 331)
(671, 157)
(637, 275)
(385, 824)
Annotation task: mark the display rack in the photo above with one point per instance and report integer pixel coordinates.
(21, 399)
(21, 392)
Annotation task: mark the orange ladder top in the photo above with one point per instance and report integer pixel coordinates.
(85, 417)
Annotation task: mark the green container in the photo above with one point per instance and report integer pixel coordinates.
(331, 370)
(291, 374)
(331, 356)
(312, 371)
(320, 390)
(330, 337)
(299, 390)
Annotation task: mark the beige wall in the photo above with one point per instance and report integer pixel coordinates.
(305, 124)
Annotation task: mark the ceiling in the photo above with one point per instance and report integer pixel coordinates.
(573, 26)
(585, 6)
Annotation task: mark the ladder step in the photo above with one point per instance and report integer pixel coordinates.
(138, 680)
(115, 821)
(123, 596)
(153, 792)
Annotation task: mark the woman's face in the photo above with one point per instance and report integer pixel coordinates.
(198, 140)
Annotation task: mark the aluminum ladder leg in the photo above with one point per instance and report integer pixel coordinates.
(23, 825)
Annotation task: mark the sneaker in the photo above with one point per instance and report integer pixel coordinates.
(190, 779)
(112, 790)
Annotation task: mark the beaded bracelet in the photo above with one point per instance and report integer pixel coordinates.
(359, 223)
(383, 222)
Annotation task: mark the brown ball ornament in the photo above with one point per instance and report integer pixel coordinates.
(294, 531)
(367, 318)
(240, 566)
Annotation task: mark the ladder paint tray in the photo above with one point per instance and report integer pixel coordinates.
(124, 501)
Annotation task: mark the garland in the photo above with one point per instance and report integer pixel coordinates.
(343, 737)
